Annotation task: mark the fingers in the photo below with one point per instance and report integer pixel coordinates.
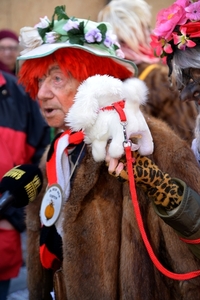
(113, 163)
(116, 168)
(119, 168)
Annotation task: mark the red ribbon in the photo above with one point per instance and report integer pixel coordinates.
(74, 139)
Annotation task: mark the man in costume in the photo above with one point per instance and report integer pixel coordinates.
(83, 237)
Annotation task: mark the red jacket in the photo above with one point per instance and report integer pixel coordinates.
(24, 134)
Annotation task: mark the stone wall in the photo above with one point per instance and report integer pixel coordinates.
(15, 14)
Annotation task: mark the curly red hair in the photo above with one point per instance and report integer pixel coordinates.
(79, 63)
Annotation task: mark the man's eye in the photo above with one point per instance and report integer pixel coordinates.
(40, 81)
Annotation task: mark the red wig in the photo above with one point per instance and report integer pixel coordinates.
(79, 63)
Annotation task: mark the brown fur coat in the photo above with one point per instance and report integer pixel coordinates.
(164, 103)
(104, 255)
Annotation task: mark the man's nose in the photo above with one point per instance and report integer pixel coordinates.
(191, 92)
(44, 91)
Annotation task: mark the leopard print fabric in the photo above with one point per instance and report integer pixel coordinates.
(159, 186)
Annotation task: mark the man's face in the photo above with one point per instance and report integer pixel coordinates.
(56, 93)
(190, 85)
(9, 50)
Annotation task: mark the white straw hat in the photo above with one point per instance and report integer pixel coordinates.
(65, 32)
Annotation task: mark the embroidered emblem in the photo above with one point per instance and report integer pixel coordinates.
(51, 205)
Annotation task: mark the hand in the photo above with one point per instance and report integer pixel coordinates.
(159, 186)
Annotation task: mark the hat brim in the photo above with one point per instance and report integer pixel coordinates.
(46, 49)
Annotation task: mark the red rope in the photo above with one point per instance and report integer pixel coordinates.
(118, 106)
(156, 262)
(193, 242)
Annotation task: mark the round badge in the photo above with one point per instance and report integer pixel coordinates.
(51, 205)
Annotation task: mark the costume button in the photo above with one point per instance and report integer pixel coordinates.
(4, 92)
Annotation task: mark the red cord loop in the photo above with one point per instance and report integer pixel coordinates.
(139, 220)
(119, 106)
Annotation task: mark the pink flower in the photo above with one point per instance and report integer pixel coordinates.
(183, 3)
(168, 18)
(156, 45)
(193, 11)
(182, 40)
(160, 45)
(167, 48)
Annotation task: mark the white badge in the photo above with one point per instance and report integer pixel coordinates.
(51, 205)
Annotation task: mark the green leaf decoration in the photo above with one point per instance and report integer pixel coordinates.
(42, 31)
(76, 37)
(115, 47)
(103, 29)
(81, 27)
(60, 12)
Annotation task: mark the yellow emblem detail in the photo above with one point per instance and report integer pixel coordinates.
(49, 211)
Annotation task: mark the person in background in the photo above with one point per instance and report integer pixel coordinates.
(178, 42)
(9, 50)
(24, 137)
(85, 242)
(131, 21)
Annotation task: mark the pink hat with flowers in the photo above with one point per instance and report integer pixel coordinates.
(177, 28)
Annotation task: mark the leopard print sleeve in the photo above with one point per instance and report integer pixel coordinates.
(159, 186)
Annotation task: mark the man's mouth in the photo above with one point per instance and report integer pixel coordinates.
(49, 112)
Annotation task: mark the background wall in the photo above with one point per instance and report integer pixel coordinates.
(15, 14)
(156, 6)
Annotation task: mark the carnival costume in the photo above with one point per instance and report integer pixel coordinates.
(102, 254)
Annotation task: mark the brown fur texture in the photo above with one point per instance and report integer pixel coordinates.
(164, 102)
(104, 255)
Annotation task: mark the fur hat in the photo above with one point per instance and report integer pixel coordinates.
(7, 33)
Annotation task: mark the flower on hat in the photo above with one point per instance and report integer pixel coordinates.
(193, 11)
(51, 37)
(29, 39)
(178, 26)
(94, 35)
(160, 45)
(167, 20)
(182, 41)
(71, 30)
(44, 23)
(71, 24)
